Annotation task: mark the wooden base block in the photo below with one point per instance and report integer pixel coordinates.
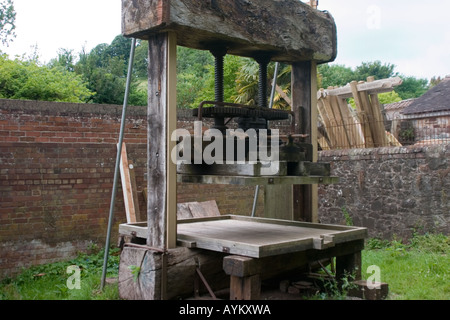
(378, 291)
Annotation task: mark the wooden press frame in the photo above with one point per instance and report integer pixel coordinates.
(162, 121)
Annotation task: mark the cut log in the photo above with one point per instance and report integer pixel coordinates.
(142, 275)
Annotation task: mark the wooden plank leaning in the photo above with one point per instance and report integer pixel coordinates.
(128, 187)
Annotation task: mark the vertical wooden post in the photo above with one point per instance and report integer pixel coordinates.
(161, 196)
(245, 288)
(348, 265)
(171, 127)
(304, 104)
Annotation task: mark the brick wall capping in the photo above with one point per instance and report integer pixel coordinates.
(68, 109)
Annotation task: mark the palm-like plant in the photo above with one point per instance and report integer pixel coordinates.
(247, 83)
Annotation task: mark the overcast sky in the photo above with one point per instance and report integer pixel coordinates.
(414, 35)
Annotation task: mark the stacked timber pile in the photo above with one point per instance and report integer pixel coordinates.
(343, 127)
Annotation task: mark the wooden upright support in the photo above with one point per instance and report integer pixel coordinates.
(161, 207)
(245, 280)
(304, 96)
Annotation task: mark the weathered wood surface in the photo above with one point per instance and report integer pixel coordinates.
(268, 267)
(128, 188)
(241, 274)
(362, 128)
(372, 87)
(278, 202)
(289, 30)
(157, 137)
(303, 82)
(189, 210)
(254, 181)
(255, 237)
(161, 118)
(179, 275)
(248, 288)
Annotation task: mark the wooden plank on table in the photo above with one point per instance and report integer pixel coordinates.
(183, 211)
(189, 210)
(210, 208)
(257, 237)
(131, 205)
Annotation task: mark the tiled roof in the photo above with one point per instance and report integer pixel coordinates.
(398, 105)
(437, 99)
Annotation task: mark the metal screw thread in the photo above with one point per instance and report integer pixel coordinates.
(219, 79)
(262, 82)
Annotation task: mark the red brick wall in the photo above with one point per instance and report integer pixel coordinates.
(56, 175)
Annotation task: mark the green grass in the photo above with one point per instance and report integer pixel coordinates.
(50, 281)
(417, 270)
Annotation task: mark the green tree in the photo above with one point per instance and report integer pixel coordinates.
(105, 69)
(375, 69)
(412, 87)
(193, 75)
(7, 21)
(65, 60)
(232, 65)
(334, 75)
(389, 97)
(28, 80)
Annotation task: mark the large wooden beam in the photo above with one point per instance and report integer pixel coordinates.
(289, 30)
(246, 273)
(161, 205)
